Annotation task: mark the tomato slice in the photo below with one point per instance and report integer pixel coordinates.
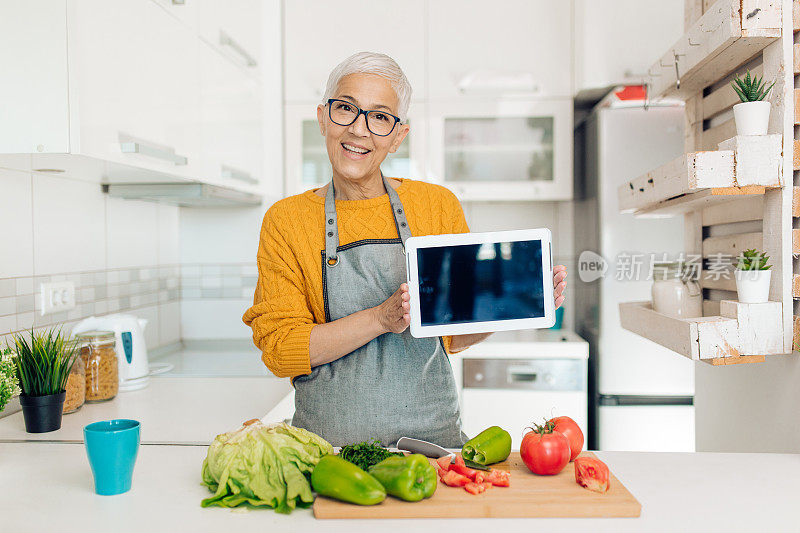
(474, 488)
(591, 473)
(480, 477)
(464, 471)
(499, 478)
(444, 463)
(453, 479)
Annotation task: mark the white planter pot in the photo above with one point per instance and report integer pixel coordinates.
(753, 285)
(752, 118)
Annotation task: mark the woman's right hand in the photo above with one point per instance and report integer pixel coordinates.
(393, 314)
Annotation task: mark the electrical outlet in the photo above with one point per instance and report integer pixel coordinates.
(58, 296)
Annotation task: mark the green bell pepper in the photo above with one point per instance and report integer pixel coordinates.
(492, 445)
(410, 478)
(342, 480)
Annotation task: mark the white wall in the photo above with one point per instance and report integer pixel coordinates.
(121, 254)
(618, 40)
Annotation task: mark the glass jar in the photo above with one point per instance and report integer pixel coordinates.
(76, 386)
(100, 360)
(674, 294)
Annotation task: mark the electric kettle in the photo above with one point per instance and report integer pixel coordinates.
(134, 371)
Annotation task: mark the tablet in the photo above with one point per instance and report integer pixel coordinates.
(480, 282)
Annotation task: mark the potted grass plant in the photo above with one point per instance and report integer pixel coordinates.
(9, 384)
(43, 362)
(752, 114)
(752, 277)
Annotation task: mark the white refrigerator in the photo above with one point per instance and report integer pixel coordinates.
(640, 394)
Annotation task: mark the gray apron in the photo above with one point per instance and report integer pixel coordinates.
(393, 386)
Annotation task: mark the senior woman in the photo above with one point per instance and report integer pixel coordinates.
(331, 306)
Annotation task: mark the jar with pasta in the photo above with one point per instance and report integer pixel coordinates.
(100, 362)
(76, 385)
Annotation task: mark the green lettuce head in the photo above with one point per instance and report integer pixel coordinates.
(263, 466)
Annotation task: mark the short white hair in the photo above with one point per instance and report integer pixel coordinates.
(372, 63)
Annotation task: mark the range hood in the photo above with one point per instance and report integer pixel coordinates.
(184, 194)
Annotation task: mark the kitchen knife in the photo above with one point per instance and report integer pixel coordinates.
(429, 449)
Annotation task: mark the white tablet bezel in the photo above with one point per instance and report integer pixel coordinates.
(429, 241)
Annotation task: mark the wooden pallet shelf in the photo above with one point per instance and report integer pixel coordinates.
(726, 36)
(742, 166)
(743, 333)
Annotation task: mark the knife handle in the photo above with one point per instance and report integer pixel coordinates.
(428, 449)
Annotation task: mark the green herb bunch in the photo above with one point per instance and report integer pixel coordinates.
(44, 361)
(753, 260)
(751, 89)
(365, 454)
(9, 384)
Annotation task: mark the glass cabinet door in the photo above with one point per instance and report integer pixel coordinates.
(499, 149)
(495, 150)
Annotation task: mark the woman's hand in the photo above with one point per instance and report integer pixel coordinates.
(393, 314)
(559, 284)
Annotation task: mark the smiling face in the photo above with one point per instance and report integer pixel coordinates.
(356, 153)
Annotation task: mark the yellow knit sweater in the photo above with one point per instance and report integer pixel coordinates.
(288, 299)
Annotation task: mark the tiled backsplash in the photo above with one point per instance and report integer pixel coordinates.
(143, 291)
(146, 291)
(218, 281)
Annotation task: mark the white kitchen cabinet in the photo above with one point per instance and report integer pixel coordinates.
(307, 162)
(234, 28)
(126, 92)
(519, 47)
(132, 86)
(502, 149)
(319, 34)
(229, 121)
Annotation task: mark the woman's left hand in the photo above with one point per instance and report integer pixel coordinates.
(559, 284)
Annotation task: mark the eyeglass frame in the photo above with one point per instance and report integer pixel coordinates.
(366, 119)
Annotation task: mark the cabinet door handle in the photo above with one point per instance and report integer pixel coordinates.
(236, 174)
(155, 151)
(226, 40)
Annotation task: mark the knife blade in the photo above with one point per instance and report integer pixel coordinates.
(429, 449)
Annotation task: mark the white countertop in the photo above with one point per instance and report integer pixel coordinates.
(171, 410)
(50, 488)
(529, 344)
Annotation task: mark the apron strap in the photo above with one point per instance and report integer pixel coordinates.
(332, 226)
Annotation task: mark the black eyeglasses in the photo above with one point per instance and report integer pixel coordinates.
(345, 113)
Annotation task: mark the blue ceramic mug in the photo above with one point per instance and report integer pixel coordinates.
(112, 446)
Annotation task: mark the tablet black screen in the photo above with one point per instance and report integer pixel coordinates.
(480, 282)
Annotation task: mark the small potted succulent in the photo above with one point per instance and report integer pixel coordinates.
(9, 384)
(752, 277)
(752, 115)
(43, 362)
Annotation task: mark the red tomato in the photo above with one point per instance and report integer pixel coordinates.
(460, 468)
(452, 479)
(444, 463)
(474, 488)
(545, 452)
(567, 426)
(591, 473)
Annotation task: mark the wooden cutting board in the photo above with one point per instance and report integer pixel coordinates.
(529, 496)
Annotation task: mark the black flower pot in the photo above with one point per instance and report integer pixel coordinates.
(42, 413)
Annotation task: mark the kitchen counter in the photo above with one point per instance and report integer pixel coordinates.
(51, 488)
(187, 410)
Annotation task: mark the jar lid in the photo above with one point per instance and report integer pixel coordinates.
(96, 337)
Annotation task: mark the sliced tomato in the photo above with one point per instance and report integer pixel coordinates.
(474, 488)
(453, 479)
(444, 463)
(463, 469)
(486, 485)
(591, 474)
(499, 478)
(480, 476)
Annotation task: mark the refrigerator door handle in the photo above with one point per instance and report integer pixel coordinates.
(632, 399)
